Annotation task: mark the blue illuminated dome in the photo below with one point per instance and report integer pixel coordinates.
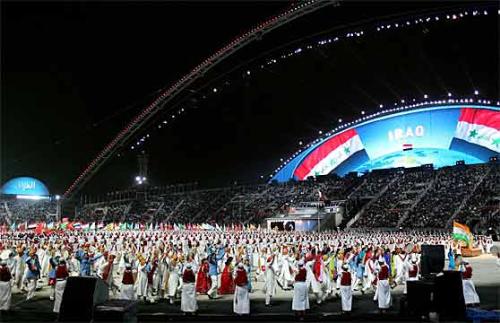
(27, 186)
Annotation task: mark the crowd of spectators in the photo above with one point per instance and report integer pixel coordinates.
(400, 196)
(417, 198)
(451, 186)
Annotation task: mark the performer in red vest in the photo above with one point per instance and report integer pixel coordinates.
(383, 293)
(241, 300)
(300, 302)
(345, 288)
(5, 286)
(127, 290)
(188, 295)
(470, 295)
(61, 275)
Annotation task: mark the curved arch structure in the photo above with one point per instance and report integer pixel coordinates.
(438, 134)
(294, 12)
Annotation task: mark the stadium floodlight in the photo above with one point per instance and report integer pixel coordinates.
(320, 132)
(340, 120)
(300, 143)
(381, 106)
(214, 90)
(425, 96)
(449, 94)
(143, 179)
(476, 92)
(58, 197)
(137, 178)
(363, 112)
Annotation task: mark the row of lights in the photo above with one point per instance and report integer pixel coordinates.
(380, 28)
(377, 114)
(357, 33)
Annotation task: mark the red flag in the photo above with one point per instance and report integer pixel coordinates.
(39, 227)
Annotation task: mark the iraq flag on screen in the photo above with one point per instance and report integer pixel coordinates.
(342, 150)
(478, 133)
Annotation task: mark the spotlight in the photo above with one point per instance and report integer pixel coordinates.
(449, 94)
(214, 90)
(363, 112)
(476, 92)
(340, 120)
(58, 197)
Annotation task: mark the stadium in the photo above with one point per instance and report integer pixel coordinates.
(324, 145)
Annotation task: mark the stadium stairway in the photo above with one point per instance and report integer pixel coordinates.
(464, 201)
(417, 200)
(363, 209)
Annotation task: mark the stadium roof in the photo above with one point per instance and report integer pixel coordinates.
(240, 119)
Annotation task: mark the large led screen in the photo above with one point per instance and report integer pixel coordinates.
(438, 135)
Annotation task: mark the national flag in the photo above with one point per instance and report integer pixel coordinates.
(32, 226)
(407, 147)
(23, 226)
(123, 226)
(50, 225)
(77, 225)
(109, 227)
(130, 226)
(13, 226)
(462, 232)
(92, 226)
(39, 227)
(85, 226)
(71, 226)
(63, 226)
(480, 127)
(100, 225)
(330, 154)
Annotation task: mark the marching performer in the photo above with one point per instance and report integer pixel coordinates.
(33, 273)
(142, 278)
(174, 272)
(203, 279)
(270, 279)
(61, 276)
(20, 268)
(188, 295)
(127, 290)
(383, 293)
(241, 299)
(213, 271)
(412, 272)
(5, 286)
(345, 288)
(300, 302)
(226, 279)
(470, 295)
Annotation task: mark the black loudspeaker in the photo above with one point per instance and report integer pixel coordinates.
(432, 260)
(450, 301)
(117, 310)
(420, 296)
(80, 296)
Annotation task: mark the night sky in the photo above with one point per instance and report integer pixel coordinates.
(73, 74)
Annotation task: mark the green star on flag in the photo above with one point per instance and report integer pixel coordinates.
(347, 151)
(496, 142)
(473, 134)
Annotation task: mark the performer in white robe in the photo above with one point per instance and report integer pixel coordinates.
(142, 279)
(188, 295)
(383, 293)
(241, 299)
(345, 288)
(174, 270)
(300, 302)
(5, 286)
(412, 272)
(20, 267)
(61, 276)
(270, 280)
(470, 295)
